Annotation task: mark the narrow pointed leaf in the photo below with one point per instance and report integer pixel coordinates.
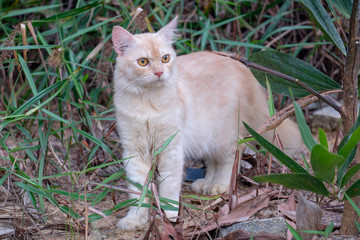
(323, 138)
(351, 143)
(323, 21)
(304, 128)
(292, 67)
(349, 174)
(343, 6)
(282, 157)
(295, 181)
(354, 190)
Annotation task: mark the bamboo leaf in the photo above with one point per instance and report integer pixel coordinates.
(282, 157)
(343, 6)
(323, 139)
(293, 67)
(296, 181)
(318, 13)
(303, 127)
(349, 174)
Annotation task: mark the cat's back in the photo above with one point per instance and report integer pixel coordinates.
(211, 72)
(208, 67)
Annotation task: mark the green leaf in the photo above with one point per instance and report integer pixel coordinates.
(70, 212)
(322, 20)
(295, 234)
(282, 157)
(354, 190)
(293, 67)
(271, 99)
(356, 208)
(22, 12)
(324, 163)
(28, 75)
(352, 142)
(323, 138)
(95, 140)
(295, 181)
(329, 229)
(74, 12)
(165, 144)
(351, 156)
(349, 174)
(303, 127)
(28, 47)
(83, 31)
(343, 6)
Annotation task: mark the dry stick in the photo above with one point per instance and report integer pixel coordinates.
(284, 76)
(284, 113)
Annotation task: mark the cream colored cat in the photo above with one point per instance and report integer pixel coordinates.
(204, 96)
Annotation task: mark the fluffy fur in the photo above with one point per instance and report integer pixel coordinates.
(204, 96)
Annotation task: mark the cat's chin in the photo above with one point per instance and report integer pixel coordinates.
(156, 83)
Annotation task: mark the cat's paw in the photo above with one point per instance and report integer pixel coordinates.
(217, 189)
(131, 223)
(208, 188)
(201, 186)
(171, 215)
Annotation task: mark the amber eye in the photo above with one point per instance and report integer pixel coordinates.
(165, 58)
(143, 62)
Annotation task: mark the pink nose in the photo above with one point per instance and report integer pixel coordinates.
(158, 74)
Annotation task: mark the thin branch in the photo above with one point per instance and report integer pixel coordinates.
(247, 63)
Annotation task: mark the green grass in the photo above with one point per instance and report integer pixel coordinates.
(56, 105)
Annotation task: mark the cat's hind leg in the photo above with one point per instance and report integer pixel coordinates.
(202, 185)
(218, 176)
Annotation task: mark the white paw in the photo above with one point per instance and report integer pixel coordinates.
(171, 215)
(217, 189)
(131, 223)
(201, 186)
(208, 188)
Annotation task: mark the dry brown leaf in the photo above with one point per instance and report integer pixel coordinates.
(308, 216)
(288, 208)
(240, 213)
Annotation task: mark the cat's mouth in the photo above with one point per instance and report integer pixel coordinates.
(155, 82)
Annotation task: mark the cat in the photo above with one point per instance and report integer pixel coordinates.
(202, 96)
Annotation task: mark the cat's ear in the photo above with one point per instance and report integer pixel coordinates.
(168, 32)
(121, 39)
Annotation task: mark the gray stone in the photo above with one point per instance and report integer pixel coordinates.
(275, 226)
(326, 118)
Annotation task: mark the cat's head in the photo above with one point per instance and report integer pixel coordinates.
(144, 60)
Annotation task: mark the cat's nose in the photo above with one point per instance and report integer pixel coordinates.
(158, 74)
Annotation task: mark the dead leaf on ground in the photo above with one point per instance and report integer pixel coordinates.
(240, 213)
(288, 208)
(308, 216)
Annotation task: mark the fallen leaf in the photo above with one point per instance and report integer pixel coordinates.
(308, 216)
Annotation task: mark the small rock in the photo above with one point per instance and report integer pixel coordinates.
(327, 118)
(275, 225)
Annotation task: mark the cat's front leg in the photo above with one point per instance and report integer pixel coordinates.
(171, 172)
(137, 170)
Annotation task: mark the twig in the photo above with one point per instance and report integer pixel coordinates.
(247, 63)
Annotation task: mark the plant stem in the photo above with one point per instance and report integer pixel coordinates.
(349, 113)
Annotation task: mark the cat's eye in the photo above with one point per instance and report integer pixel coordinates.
(165, 58)
(142, 62)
